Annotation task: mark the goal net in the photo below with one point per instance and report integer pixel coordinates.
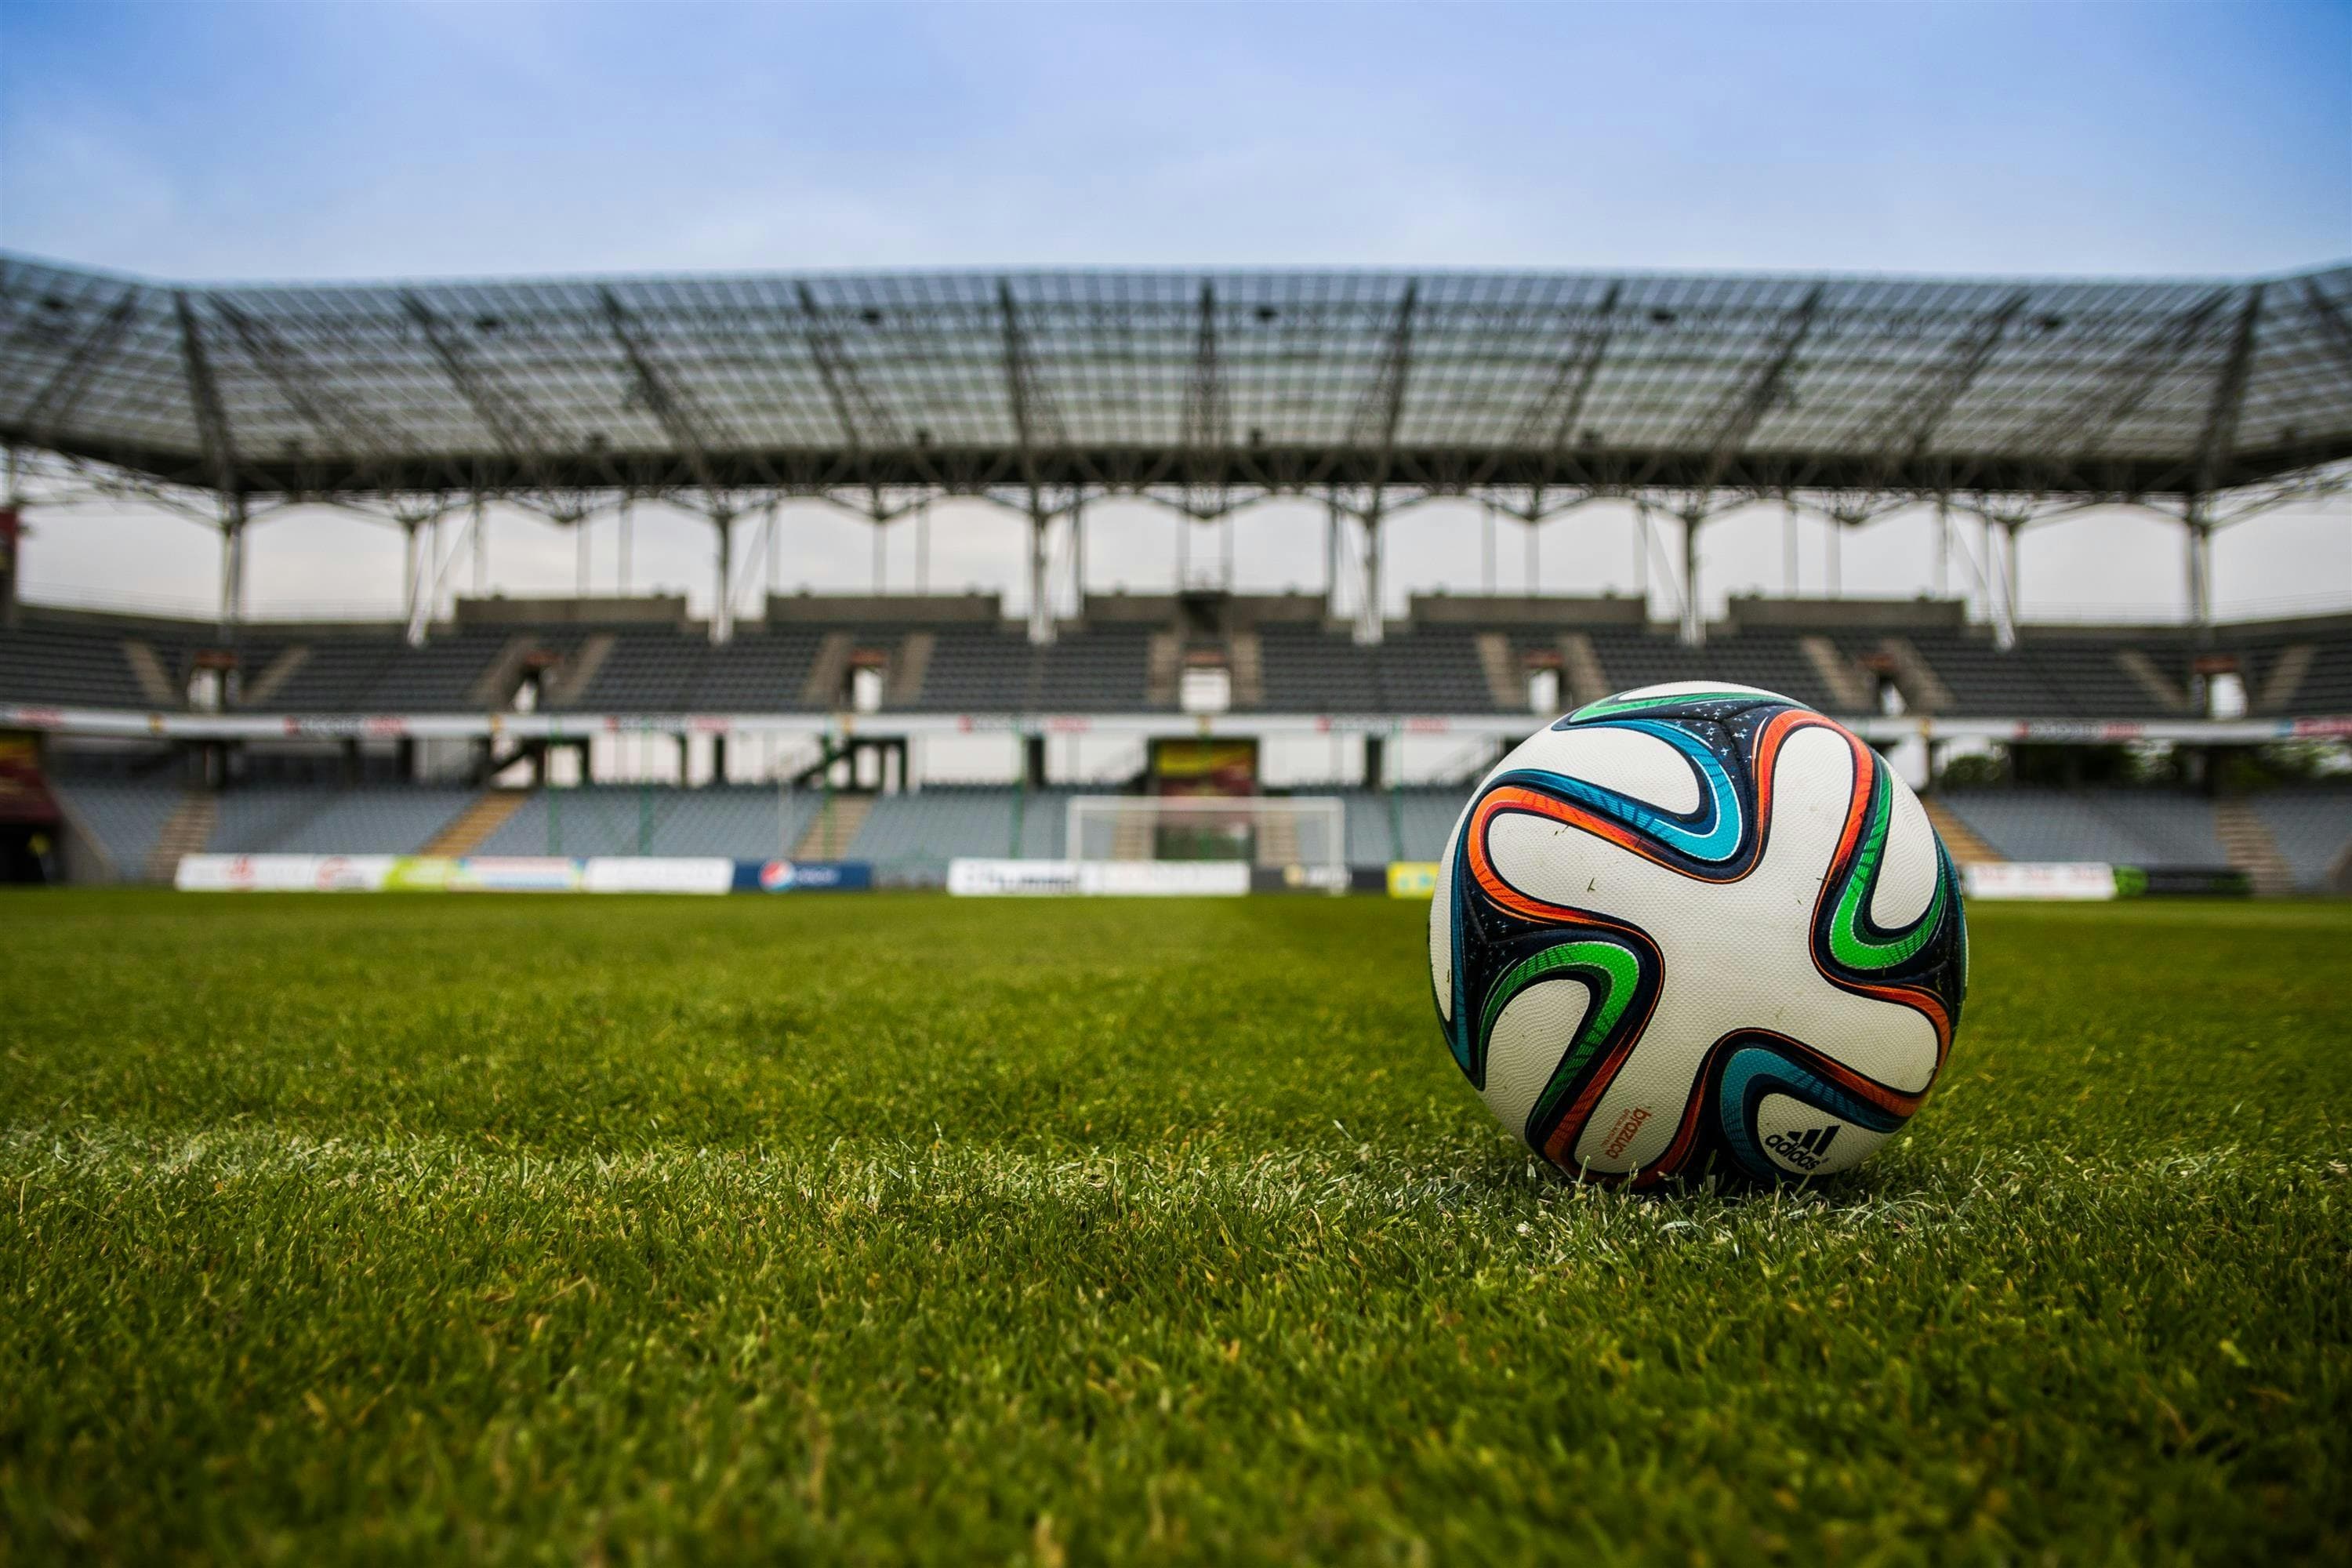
(1301, 839)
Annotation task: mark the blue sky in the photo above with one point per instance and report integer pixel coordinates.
(312, 140)
(316, 140)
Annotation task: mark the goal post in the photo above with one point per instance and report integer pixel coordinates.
(1301, 839)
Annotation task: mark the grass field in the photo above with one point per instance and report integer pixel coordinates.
(584, 1230)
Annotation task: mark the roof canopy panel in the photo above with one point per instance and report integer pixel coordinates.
(1250, 379)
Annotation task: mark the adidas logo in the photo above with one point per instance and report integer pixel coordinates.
(1805, 1150)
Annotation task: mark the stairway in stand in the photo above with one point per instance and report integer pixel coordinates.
(835, 828)
(470, 828)
(2252, 850)
(186, 832)
(1959, 838)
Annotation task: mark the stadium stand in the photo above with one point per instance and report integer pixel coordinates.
(1835, 654)
(2146, 828)
(938, 822)
(327, 819)
(123, 818)
(2313, 830)
(1409, 824)
(740, 822)
(68, 666)
(1308, 670)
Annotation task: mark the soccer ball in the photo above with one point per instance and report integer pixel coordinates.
(1697, 926)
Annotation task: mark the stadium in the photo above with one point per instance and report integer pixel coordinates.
(799, 727)
(1097, 785)
(1160, 1231)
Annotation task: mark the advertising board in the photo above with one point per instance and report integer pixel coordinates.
(656, 874)
(801, 876)
(282, 873)
(2079, 880)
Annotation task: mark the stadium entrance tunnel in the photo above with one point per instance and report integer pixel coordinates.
(28, 855)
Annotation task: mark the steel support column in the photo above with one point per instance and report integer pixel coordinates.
(1641, 554)
(1487, 518)
(1332, 559)
(2000, 581)
(1943, 547)
(2201, 566)
(1694, 628)
(1835, 565)
(2011, 594)
(621, 546)
(481, 529)
(722, 609)
(1041, 584)
(12, 538)
(412, 572)
(1535, 554)
(579, 551)
(1789, 572)
(923, 546)
(1368, 612)
(232, 585)
(1077, 557)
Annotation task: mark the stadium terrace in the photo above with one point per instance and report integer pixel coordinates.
(1686, 396)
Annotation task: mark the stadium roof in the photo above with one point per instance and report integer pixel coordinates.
(1235, 381)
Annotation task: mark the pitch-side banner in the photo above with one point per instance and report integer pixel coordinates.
(283, 873)
(657, 874)
(801, 876)
(1109, 878)
(2080, 880)
(1413, 879)
(998, 879)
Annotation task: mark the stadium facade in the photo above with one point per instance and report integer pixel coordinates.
(1687, 396)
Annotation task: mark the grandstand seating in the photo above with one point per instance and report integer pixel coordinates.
(2156, 829)
(972, 667)
(1409, 824)
(2149, 828)
(749, 822)
(124, 816)
(975, 666)
(67, 666)
(326, 819)
(936, 824)
(2313, 830)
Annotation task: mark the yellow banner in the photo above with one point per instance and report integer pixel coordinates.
(1413, 879)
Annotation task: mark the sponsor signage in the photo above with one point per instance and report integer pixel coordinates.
(801, 876)
(2081, 880)
(656, 874)
(1299, 879)
(1413, 879)
(513, 874)
(1164, 878)
(974, 878)
(283, 873)
(1109, 878)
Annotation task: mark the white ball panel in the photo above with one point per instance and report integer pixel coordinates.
(1535, 1030)
(1907, 876)
(1627, 761)
(1806, 1140)
(1441, 924)
(1735, 956)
